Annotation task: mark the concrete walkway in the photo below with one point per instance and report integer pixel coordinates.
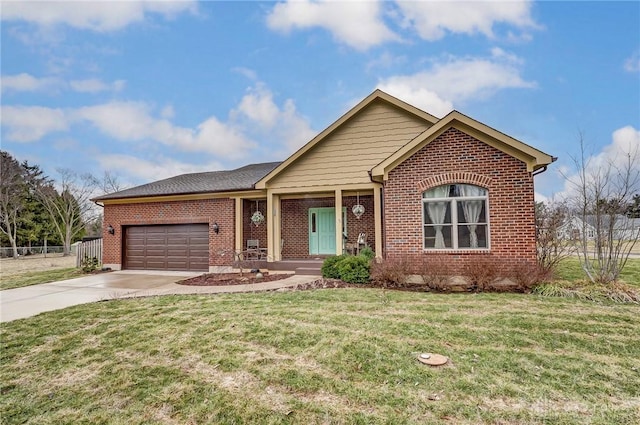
(28, 301)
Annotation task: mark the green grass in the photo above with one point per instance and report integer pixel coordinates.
(325, 356)
(571, 270)
(34, 278)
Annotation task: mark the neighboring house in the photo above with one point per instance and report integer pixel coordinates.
(623, 228)
(574, 227)
(451, 187)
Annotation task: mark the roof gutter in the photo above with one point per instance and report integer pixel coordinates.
(540, 171)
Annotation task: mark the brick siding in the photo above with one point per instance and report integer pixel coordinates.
(455, 157)
(250, 230)
(219, 211)
(295, 223)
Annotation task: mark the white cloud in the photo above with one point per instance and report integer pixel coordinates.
(101, 16)
(133, 121)
(409, 89)
(27, 82)
(94, 85)
(31, 123)
(632, 64)
(355, 23)
(432, 20)
(456, 80)
(623, 153)
(290, 129)
(223, 139)
(361, 24)
(256, 117)
(138, 169)
(167, 112)
(258, 105)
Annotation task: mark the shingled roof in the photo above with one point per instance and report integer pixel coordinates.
(243, 178)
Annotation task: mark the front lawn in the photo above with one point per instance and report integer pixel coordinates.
(34, 278)
(324, 356)
(571, 270)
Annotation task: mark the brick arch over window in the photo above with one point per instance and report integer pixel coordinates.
(455, 177)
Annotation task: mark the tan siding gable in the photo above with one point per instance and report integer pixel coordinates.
(348, 154)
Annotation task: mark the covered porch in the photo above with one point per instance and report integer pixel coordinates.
(304, 226)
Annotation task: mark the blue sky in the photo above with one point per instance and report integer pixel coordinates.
(148, 90)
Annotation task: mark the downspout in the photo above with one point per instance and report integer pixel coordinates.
(383, 236)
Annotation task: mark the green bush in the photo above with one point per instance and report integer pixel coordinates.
(329, 269)
(368, 253)
(89, 264)
(353, 269)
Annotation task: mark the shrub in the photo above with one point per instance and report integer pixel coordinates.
(353, 269)
(436, 271)
(527, 275)
(368, 253)
(329, 269)
(391, 273)
(89, 264)
(481, 271)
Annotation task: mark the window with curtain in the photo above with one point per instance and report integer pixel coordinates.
(455, 217)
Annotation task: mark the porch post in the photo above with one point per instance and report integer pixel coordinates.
(277, 228)
(239, 226)
(270, 216)
(339, 241)
(377, 214)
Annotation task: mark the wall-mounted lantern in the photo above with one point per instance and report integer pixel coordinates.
(216, 228)
(111, 230)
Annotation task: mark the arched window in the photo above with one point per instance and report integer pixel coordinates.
(455, 216)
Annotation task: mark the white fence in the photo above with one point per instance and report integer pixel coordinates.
(89, 249)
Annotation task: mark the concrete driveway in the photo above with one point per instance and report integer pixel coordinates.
(31, 300)
(28, 301)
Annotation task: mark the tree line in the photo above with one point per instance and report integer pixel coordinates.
(35, 208)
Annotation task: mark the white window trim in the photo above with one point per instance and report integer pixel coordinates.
(454, 213)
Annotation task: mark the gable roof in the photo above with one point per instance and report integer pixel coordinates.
(375, 96)
(243, 178)
(531, 156)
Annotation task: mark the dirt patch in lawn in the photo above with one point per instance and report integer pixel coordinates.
(35, 263)
(226, 279)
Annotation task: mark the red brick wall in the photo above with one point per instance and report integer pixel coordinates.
(295, 223)
(250, 230)
(455, 157)
(220, 211)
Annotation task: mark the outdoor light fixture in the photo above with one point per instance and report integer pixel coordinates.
(111, 230)
(216, 228)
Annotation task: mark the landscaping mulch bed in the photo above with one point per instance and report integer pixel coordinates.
(227, 279)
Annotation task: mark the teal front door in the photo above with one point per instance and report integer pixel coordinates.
(322, 230)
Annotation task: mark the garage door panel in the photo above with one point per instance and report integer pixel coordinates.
(174, 240)
(167, 247)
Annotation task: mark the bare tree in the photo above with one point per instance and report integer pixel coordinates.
(71, 207)
(552, 246)
(111, 183)
(603, 190)
(12, 197)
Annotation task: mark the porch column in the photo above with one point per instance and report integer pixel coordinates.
(273, 227)
(339, 241)
(239, 223)
(270, 216)
(377, 214)
(277, 229)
